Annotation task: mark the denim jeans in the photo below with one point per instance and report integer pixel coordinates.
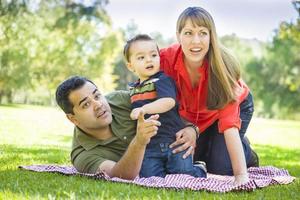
(211, 146)
(159, 161)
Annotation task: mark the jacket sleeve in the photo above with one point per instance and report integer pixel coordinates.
(229, 117)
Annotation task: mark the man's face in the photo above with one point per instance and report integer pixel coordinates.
(91, 110)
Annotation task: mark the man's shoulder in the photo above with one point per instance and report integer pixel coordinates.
(119, 102)
(116, 95)
(118, 98)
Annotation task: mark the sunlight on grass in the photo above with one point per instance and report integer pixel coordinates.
(274, 132)
(34, 125)
(42, 135)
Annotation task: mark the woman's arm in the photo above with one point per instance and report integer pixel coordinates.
(236, 154)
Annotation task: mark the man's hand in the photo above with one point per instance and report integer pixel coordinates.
(136, 112)
(146, 128)
(186, 138)
(129, 165)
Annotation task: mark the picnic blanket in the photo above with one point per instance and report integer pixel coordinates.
(259, 177)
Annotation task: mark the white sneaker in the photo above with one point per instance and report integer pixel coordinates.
(201, 165)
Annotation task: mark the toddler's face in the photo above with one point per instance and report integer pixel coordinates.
(144, 59)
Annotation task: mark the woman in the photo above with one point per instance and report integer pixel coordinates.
(211, 95)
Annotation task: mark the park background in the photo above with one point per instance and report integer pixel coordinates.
(44, 42)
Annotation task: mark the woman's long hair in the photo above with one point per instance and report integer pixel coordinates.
(224, 70)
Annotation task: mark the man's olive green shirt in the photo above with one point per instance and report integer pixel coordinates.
(88, 152)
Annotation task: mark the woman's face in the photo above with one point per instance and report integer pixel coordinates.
(194, 41)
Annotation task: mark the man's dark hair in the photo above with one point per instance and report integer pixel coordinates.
(65, 88)
(139, 37)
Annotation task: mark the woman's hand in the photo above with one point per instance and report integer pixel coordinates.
(241, 179)
(185, 140)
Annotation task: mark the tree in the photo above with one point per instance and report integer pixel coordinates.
(44, 42)
(277, 74)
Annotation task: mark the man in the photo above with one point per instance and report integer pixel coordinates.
(105, 139)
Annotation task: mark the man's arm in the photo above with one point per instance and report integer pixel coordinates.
(129, 165)
(158, 106)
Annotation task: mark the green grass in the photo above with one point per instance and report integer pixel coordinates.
(40, 135)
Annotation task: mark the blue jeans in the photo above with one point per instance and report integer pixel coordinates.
(159, 161)
(211, 146)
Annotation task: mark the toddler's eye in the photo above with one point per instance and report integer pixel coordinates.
(97, 96)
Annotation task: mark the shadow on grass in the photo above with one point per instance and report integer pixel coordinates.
(20, 183)
(11, 154)
(279, 157)
(12, 105)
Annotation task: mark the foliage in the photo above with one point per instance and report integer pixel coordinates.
(275, 77)
(42, 135)
(43, 42)
(272, 70)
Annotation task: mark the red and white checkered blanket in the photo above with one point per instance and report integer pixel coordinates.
(259, 177)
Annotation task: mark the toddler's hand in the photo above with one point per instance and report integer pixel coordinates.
(135, 113)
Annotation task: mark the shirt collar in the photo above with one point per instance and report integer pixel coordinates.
(137, 83)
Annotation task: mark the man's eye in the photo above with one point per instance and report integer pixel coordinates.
(86, 105)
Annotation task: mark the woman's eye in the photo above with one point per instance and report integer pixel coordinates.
(188, 33)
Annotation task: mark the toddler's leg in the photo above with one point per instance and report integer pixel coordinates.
(177, 165)
(153, 164)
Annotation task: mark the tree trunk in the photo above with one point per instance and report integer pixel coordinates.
(9, 97)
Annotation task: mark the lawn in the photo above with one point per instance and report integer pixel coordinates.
(42, 135)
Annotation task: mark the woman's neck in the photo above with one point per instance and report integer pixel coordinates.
(192, 65)
(192, 70)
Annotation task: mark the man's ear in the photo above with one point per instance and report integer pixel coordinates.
(72, 119)
(129, 67)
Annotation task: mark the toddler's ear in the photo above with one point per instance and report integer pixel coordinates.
(129, 67)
